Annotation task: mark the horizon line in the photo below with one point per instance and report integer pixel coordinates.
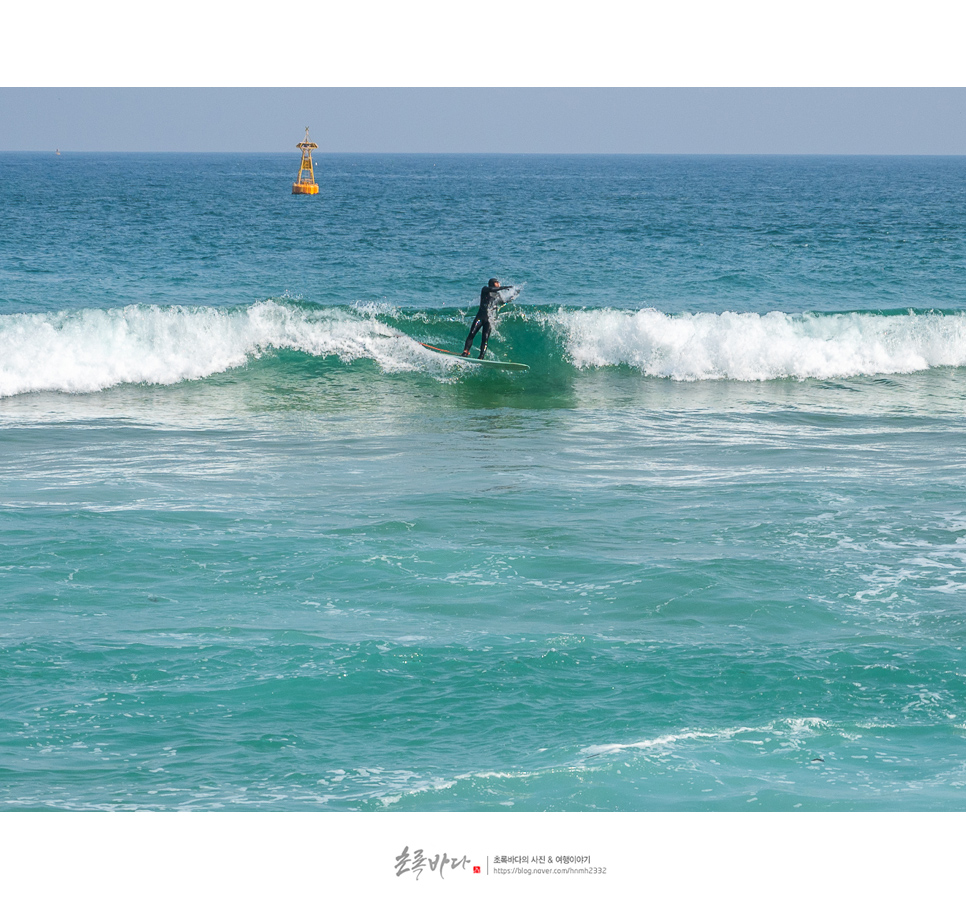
(481, 153)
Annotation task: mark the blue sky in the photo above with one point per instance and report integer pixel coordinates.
(486, 120)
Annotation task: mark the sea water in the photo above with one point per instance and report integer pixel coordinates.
(259, 549)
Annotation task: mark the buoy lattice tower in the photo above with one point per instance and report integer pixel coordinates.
(306, 184)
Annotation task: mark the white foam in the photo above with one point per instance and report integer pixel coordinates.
(663, 741)
(82, 351)
(781, 729)
(749, 346)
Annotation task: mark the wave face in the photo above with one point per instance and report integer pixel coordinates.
(83, 351)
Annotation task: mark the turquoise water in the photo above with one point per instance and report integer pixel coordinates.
(260, 550)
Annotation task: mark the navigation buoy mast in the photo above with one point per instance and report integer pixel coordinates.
(306, 184)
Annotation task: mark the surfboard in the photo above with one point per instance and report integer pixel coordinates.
(486, 362)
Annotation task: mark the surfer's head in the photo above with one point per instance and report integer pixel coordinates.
(493, 283)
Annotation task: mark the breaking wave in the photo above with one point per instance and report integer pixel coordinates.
(749, 346)
(83, 351)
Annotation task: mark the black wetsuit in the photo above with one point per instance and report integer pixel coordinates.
(489, 298)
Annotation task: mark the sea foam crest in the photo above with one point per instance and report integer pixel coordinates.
(82, 351)
(750, 346)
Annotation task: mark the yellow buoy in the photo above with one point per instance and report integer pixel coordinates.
(305, 184)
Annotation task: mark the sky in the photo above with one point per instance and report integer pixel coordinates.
(514, 76)
(487, 120)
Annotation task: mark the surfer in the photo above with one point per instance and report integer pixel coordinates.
(492, 297)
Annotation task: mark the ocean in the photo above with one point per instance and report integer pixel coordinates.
(261, 551)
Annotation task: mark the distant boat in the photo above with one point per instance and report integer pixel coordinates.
(58, 151)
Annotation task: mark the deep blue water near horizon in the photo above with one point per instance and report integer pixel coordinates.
(261, 550)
